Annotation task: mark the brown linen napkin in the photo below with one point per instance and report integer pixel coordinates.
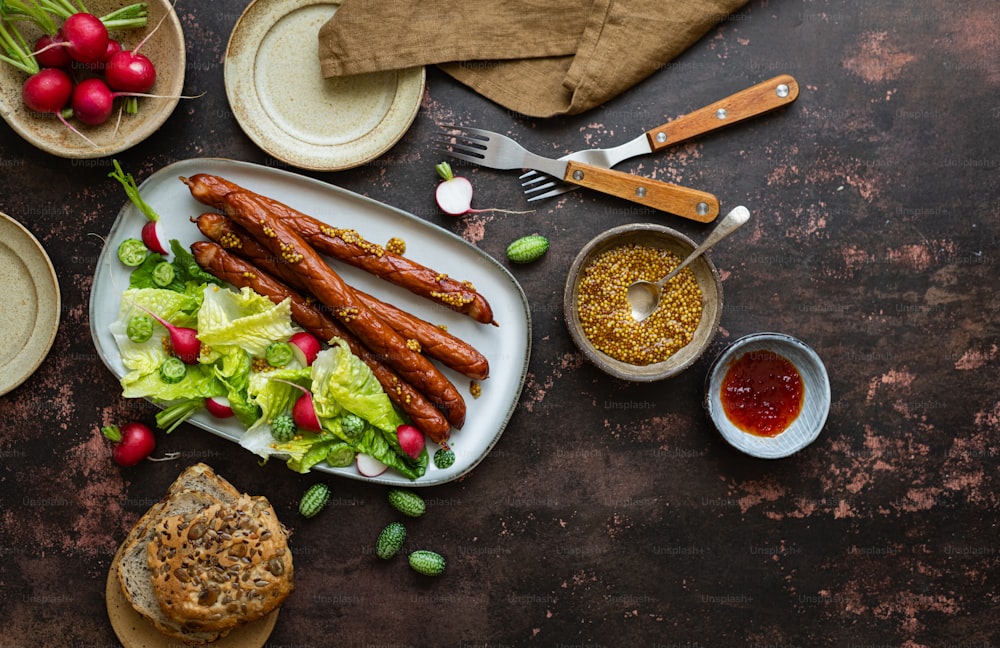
(535, 57)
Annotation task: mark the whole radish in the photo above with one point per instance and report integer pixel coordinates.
(304, 413)
(50, 51)
(184, 341)
(411, 440)
(454, 194)
(85, 36)
(92, 101)
(133, 442)
(98, 66)
(49, 91)
(130, 71)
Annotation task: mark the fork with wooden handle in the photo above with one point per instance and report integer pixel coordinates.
(497, 151)
(753, 101)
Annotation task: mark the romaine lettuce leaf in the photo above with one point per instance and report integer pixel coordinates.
(233, 369)
(273, 394)
(142, 360)
(341, 382)
(200, 382)
(244, 319)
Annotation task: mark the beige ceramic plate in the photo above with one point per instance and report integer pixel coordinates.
(134, 631)
(30, 316)
(282, 102)
(165, 48)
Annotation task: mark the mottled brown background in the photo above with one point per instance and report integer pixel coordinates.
(610, 514)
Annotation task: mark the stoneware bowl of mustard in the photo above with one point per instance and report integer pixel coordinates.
(768, 394)
(598, 316)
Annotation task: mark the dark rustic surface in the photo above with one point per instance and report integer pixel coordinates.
(610, 514)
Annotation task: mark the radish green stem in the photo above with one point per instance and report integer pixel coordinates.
(444, 170)
(130, 17)
(30, 11)
(62, 8)
(18, 51)
(169, 418)
(132, 190)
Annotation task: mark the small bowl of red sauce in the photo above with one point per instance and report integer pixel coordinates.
(768, 394)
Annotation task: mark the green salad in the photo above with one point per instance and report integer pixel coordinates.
(236, 329)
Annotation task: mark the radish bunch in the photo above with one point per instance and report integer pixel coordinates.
(76, 68)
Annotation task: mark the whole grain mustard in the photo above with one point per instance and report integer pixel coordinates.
(605, 314)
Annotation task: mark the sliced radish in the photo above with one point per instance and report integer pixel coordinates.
(411, 440)
(154, 238)
(306, 347)
(218, 406)
(454, 194)
(369, 466)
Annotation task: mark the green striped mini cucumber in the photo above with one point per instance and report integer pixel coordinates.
(406, 502)
(314, 500)
(427, 563)
(528, 248)
(390, 541)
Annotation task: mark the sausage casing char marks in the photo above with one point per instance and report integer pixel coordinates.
(348, 246)
(254, 214)
(434, 342)
(240, 273)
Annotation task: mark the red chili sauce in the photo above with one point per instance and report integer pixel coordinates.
(762, 393)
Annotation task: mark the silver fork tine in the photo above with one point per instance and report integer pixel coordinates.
(486, 147)
(552, 182)
(555, 192)
(535, 179)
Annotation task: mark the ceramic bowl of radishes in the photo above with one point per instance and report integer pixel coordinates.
(104, 82)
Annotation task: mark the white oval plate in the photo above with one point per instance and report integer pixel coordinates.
(282, 102)
(815, 405)
(165, 48)
(30, 316)
(507, 346)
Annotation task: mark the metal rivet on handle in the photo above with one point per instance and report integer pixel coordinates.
(578, 175)
(640, 192)
(701, 208)
(721, 113)
(782, 90)
(661, 137)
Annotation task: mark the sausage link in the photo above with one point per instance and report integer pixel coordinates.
(350, 247)
(254, 214)
(434, 342)
(230, 268)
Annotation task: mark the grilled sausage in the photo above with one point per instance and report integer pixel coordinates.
(434, 342)
(240, 273)
(254, 214)
(350, 247)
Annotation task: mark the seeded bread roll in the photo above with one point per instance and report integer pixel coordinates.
(222, 566)
(133, 568)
